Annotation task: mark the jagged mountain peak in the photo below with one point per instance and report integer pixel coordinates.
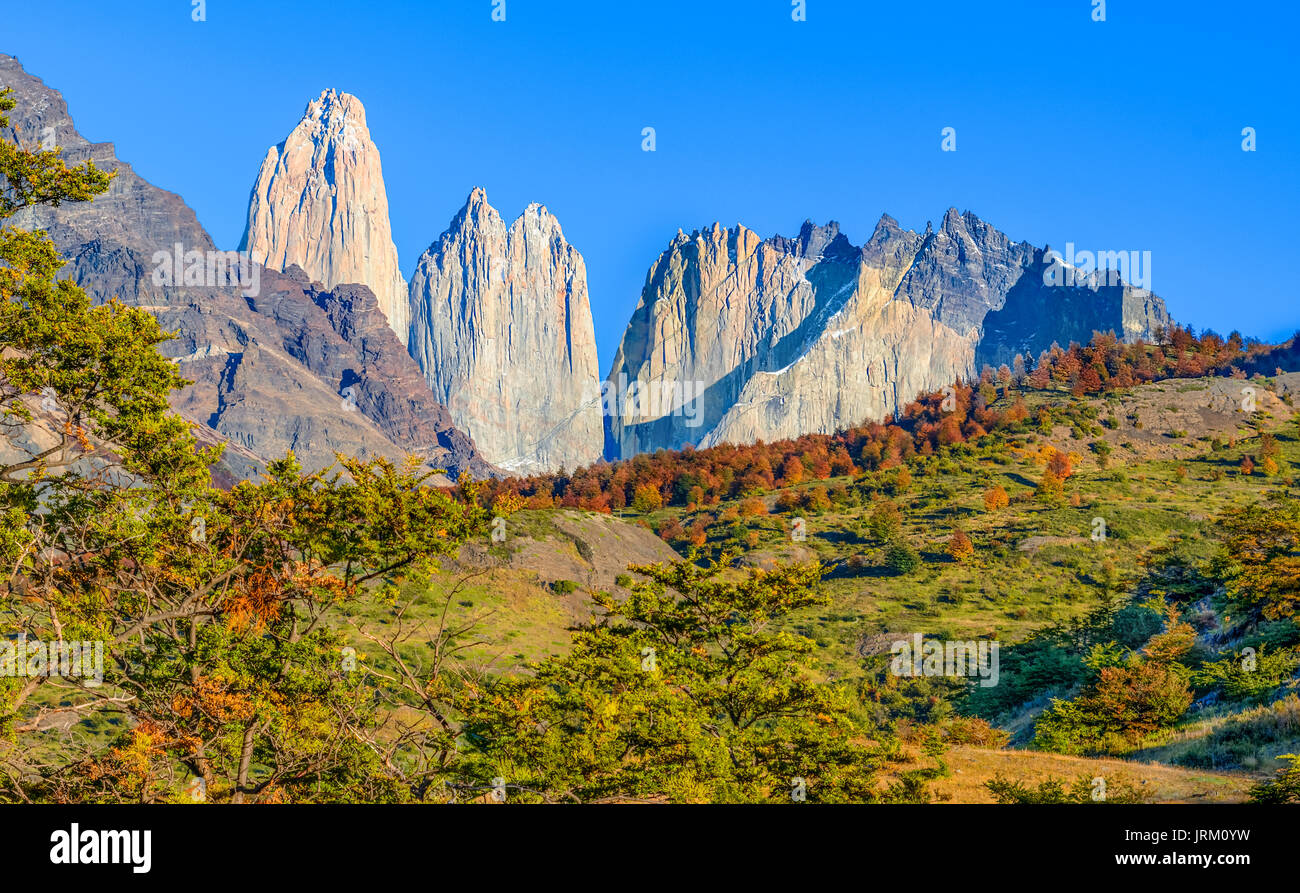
(319, 202)
(887, 221)
(501, 325)
(133, 212)
(334, 102)
(539, 213)
(478, 212)
(816, 241)
(813, 240)
(478, 199)
(810, 335)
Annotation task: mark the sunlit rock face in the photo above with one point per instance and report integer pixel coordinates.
(319, 203)
(738, 338)
(501, 325)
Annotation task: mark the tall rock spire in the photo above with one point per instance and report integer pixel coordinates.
(319, 202)
(501, 325)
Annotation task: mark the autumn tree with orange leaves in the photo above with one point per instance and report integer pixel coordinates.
(959, 546)
(995, 498)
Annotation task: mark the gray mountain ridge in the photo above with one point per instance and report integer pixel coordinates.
(811, 335)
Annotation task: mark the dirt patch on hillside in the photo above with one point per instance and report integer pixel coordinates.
(1173, 419)
(771, 559)
(586, 548)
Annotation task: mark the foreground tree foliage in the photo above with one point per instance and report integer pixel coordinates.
(690, 691)
(231, 648)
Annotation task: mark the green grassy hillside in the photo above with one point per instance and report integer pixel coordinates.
(1050, 575)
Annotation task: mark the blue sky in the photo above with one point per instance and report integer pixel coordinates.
(1115, 135)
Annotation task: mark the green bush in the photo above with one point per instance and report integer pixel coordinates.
(884, 521)
(1082, 790)
(1124, 707)
(1283, 789)
(1136, 623)
(902, 559)
(1249, 677)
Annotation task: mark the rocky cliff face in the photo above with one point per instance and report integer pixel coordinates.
(319, 202)
(737, 338)
(133, 212)
(1034, 316)
(501, 325)
(278, 362)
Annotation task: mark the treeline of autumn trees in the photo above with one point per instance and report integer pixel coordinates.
(965, 411)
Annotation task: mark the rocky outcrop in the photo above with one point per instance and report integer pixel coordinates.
(370, 393)
(501, 325)
(277, 362)
(738, 338)
(319, 203)
(132, 212)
